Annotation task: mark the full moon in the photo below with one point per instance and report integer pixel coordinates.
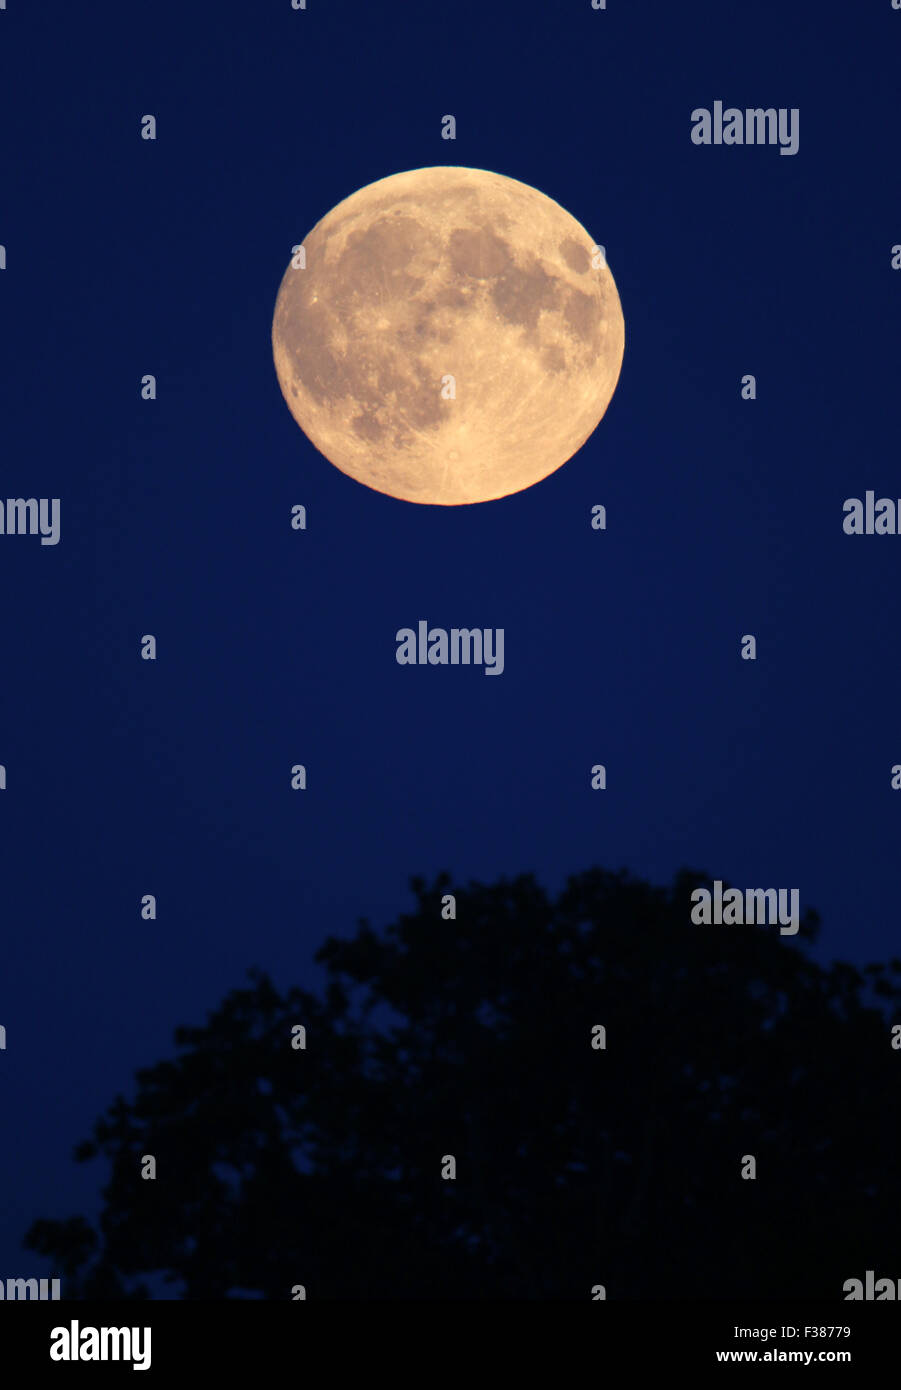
(448, 336)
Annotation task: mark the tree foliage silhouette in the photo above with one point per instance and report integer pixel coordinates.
(575, 1165)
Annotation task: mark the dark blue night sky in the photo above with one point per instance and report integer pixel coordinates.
(125, 257)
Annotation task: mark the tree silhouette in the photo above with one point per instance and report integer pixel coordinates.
(576, 1165)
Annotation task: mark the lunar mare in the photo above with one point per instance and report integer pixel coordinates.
(453, 337)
